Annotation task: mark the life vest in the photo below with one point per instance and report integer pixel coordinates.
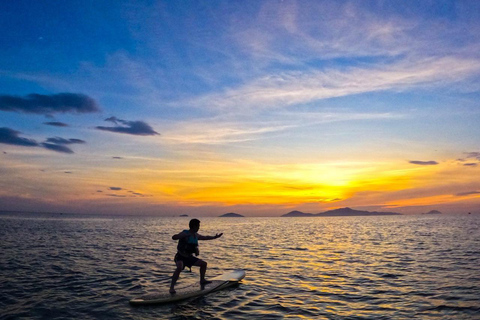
(188, 246)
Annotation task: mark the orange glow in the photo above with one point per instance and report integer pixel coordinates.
(252, 183)
(425, 201)
(216, 182)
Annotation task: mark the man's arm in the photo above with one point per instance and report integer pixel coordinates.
(180, 235)
(200, 237)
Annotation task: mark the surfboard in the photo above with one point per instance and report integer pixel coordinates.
(191, 291)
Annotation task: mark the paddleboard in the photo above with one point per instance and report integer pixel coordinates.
(191, 291)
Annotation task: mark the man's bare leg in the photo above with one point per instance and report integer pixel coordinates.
(175, 276)
(203, 270)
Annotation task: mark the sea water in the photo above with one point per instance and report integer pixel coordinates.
(387, 267)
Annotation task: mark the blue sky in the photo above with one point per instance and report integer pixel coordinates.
(259, 107)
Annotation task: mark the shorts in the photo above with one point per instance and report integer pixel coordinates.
(187, 261)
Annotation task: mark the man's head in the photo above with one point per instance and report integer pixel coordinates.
(194, 224)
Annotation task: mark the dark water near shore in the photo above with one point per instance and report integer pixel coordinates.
(389, 267)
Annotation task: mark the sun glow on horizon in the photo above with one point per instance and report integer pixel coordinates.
(292, 184)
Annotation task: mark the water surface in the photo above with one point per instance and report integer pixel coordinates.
(389, 267)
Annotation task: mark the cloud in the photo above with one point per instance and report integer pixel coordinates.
(124, 193)
(57, 144)
(384, 33)
(469, 157)
(113, 119)
(56, 124)
(10, 136)
(227, 129)
(424, 163)
(471, 164)
(56, 147)
(475, 155)
(48, 104)
(138, 128)
(58, 140)
(286, 89)
(461, 194)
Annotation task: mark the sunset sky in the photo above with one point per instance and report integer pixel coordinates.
(254, 107)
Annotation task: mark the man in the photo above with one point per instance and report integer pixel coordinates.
(187, 246)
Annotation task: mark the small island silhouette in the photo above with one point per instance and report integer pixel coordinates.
(433, 212)
(231, 215)
(342, 212)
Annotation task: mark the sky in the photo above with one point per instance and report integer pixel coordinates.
(253, 107)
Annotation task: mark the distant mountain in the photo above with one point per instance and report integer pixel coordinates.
(297, 214)
(231, 215)
(353, 212)
(342, 212)
(433, 212)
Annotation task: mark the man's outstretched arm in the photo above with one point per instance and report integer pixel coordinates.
(218, 235)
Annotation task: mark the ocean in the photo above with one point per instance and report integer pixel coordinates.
(385, 267)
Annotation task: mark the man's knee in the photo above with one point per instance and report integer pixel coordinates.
(201, 264)
(179, 266)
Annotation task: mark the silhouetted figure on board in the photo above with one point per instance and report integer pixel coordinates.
(187, 247)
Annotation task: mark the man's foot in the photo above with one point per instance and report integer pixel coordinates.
(205, 282)
(172, 291)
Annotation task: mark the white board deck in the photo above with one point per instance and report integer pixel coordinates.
(235, 275)
(194, 290)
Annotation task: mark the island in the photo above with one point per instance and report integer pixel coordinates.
(342, 212)
(352, 212)
(184, 215)
(298, 214)
(231, 215)
(433, 212)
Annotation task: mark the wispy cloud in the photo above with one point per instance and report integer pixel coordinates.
(58, 140)
(296, 88)
(224, 129)
(469, 193)
(475, 155)
(322, 30)
(424, 163)
(396, 53)
(202, 133)
(138, 128)
(298, 24)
